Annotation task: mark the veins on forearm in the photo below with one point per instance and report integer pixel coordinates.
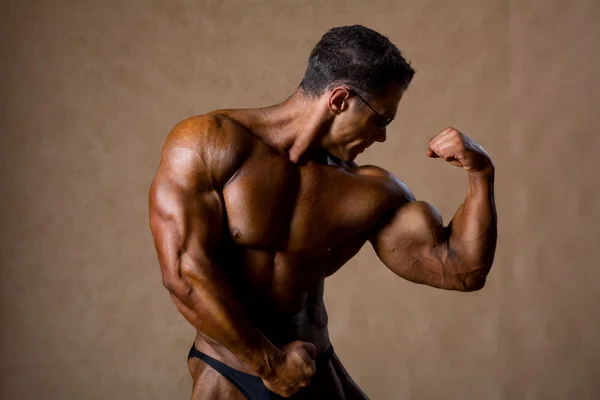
(473, 228)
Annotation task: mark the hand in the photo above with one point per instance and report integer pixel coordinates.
(460, 150)
(293, 370)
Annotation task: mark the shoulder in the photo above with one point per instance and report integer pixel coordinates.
(208, 132)
(387, 179)
(212, 146)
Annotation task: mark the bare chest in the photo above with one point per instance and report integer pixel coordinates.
(300, 211)
(284, 222)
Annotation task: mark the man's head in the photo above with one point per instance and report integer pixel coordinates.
(361, 76)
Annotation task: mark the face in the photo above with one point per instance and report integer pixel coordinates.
(358, 122)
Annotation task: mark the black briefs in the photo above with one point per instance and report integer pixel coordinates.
(251, 386)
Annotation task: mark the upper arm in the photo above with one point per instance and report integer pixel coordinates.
(410, 242)
(414, 243)
(186, 212)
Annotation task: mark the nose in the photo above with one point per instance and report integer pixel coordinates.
(381, 135)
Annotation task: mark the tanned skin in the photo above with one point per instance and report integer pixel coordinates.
(249, 219)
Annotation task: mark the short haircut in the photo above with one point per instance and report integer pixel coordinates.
(359, 57)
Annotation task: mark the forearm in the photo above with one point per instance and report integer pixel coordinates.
(212, 307)
(473, 230)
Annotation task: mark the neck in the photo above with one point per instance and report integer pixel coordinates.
(294, 127)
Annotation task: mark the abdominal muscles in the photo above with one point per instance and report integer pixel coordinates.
(281, 294)
(276, 282)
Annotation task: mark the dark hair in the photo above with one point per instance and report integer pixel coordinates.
(358, 57)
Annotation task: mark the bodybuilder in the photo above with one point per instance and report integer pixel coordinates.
(252, 209)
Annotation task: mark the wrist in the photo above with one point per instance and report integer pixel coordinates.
(487, 172)
(265, 364)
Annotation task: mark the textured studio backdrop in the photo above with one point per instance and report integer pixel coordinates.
(90, 89)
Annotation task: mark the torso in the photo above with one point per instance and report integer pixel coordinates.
(288, 227)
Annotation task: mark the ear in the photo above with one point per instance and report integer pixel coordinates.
(338, 100)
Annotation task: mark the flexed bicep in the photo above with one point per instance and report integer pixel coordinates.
(413, 243)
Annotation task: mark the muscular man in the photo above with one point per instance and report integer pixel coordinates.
(252, 209)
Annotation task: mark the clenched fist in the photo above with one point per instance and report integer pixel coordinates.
(460, 150)
(293, 370)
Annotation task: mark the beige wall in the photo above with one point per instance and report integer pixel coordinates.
(91, 88)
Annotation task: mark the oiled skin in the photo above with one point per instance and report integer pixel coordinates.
(262, 235)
